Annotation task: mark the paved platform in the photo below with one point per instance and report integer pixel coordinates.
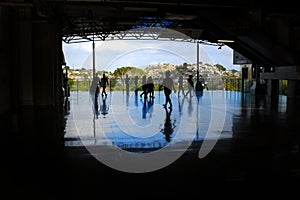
(246, 144)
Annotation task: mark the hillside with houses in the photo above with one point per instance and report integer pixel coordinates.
(214, 76)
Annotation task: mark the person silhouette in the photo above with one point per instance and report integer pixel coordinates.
(180, 85)
(199, 86)
(144, 87)
(168, 125)
(94, 89)
(94, 93)
(190, 85)
(104, 84)
(127, 79)
(150, 87)
(168, 86)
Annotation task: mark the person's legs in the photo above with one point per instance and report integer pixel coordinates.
(104, 91)
(168, 99)
(151, 94)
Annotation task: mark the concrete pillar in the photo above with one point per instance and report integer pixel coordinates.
(5, 83)
(291, 89)
(25, 72)
(269, 87)
(43, 54)
(15, 58)
(272, 93)
(47, 86)
(31, 103)
(293, 94)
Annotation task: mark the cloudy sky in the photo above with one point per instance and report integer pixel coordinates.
(112, 54)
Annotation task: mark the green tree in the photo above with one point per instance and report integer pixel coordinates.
(220, 67)
(120, 73)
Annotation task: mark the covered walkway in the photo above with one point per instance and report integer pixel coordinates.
(258, 146)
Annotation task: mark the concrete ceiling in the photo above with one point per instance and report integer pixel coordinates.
(266, 32)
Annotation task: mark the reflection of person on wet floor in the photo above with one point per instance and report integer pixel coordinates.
(190, 106)
(147, 107)
(150, 107)
(168, 125)
(104, 107)
(127, 79)
(180, 85)
(97, 91)
(144, 109)
(136, 81)
(168, 85)
(144, 87)
(190, 85)
(150, 87)
(104, 83)
(96, 108)
(180, 105)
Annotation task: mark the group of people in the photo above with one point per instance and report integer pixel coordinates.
(148, 86)
(167, 85)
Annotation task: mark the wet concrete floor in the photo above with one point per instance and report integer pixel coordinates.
(126, 147)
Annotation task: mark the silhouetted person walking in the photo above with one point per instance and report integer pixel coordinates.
(180, 85)
(94, 89)
(199, 87)
(104, 84)
(144, 87)
(190, 85)
(150, 87)
(168, 85)
(127, 79)
(94, 92)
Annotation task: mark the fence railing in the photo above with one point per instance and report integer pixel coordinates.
(234, 84)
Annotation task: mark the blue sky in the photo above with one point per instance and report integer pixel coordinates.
(112, 54)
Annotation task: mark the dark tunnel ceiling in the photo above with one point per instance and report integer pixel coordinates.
(267, 32)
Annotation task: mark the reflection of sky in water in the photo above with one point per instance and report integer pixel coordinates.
(141, 126)
(133, 123)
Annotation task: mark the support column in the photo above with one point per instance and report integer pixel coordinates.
(244, 77)
(5, 72)
(47, 87)
(291, 89)
(16, 102)
(272, 93)
(293, 93)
